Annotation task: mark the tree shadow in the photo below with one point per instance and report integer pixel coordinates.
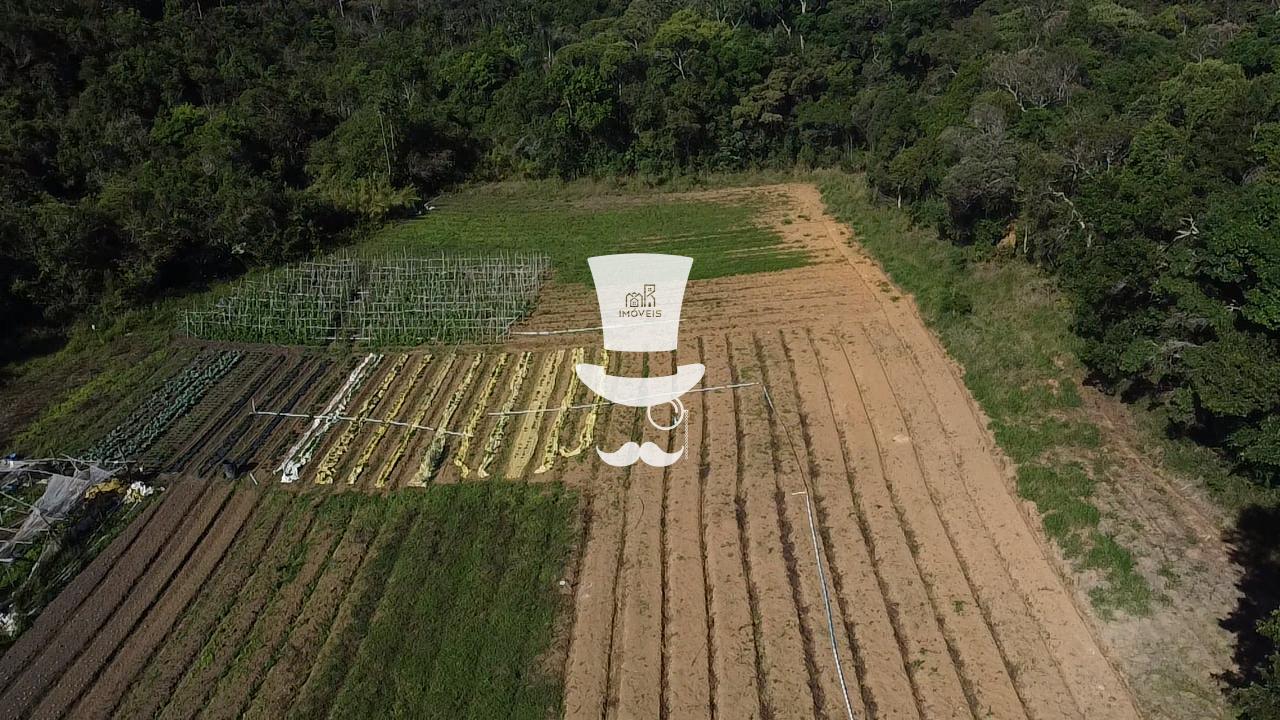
(1255, 546)
(21, 344)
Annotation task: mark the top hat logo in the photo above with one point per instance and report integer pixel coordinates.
(640, 297)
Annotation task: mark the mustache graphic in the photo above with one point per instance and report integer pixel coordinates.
(649, 453)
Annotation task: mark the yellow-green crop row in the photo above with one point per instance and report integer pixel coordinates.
(329, 466)
(551, 449)
(588, 433)
(496, 438)
(477, 413)
(437, 443)
(527, 438)
(381, 428)
(424, 406)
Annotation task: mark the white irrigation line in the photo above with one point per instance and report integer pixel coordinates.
(585, 406)
(290, 468)
(352, 418)
(817, 555)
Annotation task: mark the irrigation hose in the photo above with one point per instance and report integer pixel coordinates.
(817, 554)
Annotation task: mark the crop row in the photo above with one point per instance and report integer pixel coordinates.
(233, 410)
(494, 444)
(380, 429)
(526, 441)
(224, 415)
(551, 448)
(267, 432)
(477, 414)
(588, 433)
(172, 400)
(329, 465)
(424, 405)
(436, 450)
(304, 449)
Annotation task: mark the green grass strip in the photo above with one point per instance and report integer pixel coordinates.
(468, 609)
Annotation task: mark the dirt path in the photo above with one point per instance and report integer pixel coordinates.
(686, 670)
(587, 672)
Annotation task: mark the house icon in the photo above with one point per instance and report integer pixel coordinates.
(646, 299)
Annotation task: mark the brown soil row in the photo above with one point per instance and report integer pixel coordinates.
(100, 700)
(794, 503)
(341, 638)
(78, 629)
(137, 604)
(224, 393)
(880, 668)
(1096, 687)
(278, 434)
(225, 640)
(295, 657)
(587, 670)
(165, 668)
(84, 586)
(927, 619)
(784, 662)
(260, 648)
(636, 682)
(236, 421)
(735, 675)
(686, 667)
(217, 411)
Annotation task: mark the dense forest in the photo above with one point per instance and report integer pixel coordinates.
(1130, 147)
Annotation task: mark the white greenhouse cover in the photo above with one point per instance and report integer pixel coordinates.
(62, 492)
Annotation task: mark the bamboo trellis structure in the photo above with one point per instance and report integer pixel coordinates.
(385, 300)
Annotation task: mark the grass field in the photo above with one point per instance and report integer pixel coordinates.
(724, 238)
(468, 609)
